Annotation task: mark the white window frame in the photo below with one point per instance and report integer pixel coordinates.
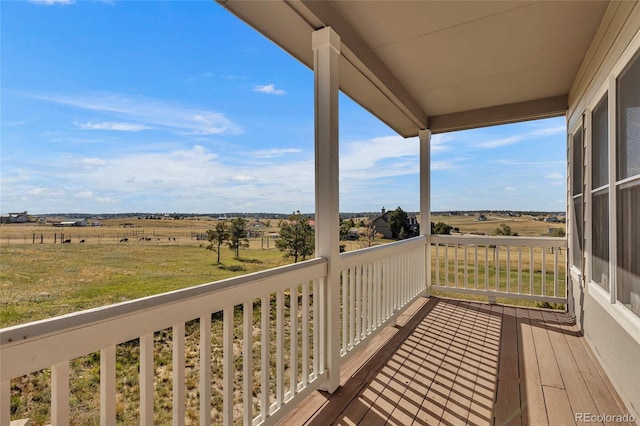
(604, 90)
(575, 270)
(624, 316)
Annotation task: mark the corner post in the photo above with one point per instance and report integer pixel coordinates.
(326, 55)
(425, 202)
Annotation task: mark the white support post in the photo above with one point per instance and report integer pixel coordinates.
(326, 53)
(425, 202)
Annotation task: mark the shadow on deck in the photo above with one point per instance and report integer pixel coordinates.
(455, 362)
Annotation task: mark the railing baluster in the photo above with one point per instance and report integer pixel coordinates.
(146, 378)
(358, 305)
(178, 373)
(227, 365)
(108, 386)
(279, 348)
(519, 269)
(455, 264)
(365, 302)
(305, 334)
(247, 362)
(446, 265)
(265, 350)
(437, 264)
(544, 271)
(60, 393)
(344, 310)
(508, 283)
(486, 267)
(466, 266)
(532, 270)
(352, 307)
(318, 326)
(205, 370)
(476, 266)
(555, 272)
(293, 340)
(370, 301)
(497, 261)
(5, 403)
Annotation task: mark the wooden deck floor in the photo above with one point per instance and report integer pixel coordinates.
(457, 362)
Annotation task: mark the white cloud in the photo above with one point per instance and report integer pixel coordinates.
(269, 89)
(510, 140)
(93, 162)
(39, 191)
(510, 188)
(275, 152)
(554, 176)
(84, 194)
(243, 178)
(151, 113)
(379, 157)
(105, 125)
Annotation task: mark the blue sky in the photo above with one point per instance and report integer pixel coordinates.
(154, 106)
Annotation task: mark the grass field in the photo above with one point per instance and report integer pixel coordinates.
(41, 278)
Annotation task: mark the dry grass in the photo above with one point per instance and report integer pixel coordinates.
(43, 280)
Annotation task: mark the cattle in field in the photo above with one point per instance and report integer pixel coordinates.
(81, 241)
(66, 242)
(124, 240)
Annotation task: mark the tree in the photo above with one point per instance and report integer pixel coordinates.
(345, 228)
(368, 235)
(296, 237)
(504, 229)
(558, 232)
(398, 221)
(217, 237)
(441, 228)
(238, 235)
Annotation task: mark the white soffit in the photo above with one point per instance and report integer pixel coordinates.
(447, 65)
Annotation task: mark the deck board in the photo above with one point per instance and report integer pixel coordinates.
(459, 362)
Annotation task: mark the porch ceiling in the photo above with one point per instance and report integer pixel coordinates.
(442, 65)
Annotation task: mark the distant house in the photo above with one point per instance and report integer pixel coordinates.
(552, 219)
(21, 217)
(481, 218)
(382, 225)
(71, 222)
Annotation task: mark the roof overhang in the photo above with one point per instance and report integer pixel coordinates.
(442, 65)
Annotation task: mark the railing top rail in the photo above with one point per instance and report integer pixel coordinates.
(373, 253)
(104, 313)
(500, 240)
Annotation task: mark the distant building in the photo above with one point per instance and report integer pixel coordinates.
(21, 217)
(481, 218)
(71, 222)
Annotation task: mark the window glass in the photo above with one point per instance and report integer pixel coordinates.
(576, 163)
(600, 145)
(576, 232)
(600, 238)
(628, 271)
(628, 143)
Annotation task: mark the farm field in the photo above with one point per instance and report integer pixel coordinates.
(41, 280)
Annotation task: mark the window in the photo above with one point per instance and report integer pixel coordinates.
(576, 196)
(600, 194)
(628, 186)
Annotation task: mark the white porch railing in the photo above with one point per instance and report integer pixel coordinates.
(376, 283)
(531, 268)
(224, 316)
(225, 368)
